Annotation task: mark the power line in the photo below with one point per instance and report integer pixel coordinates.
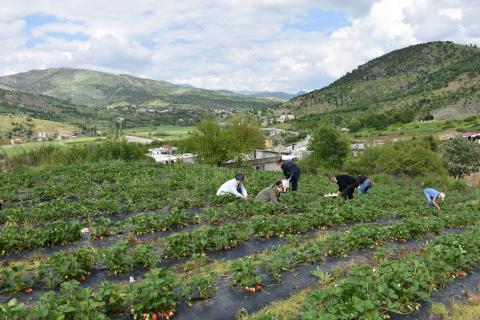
(226, 28)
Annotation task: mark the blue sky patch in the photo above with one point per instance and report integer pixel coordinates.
(320, 20)
(35, 20)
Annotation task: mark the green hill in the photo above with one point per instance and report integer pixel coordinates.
(14, 102)
(99, 89)
(437, 79)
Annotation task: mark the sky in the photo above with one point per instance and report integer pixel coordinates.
(260, 45)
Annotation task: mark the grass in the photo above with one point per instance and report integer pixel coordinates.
(39, 125)
(167, 132)
(422, 128)
(16, 149)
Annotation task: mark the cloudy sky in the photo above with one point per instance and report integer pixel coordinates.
(284, 45)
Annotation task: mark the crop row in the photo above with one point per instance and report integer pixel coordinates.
(396, 285)
(118, 258)
(288, 256)
(367, 293)
(122, 256)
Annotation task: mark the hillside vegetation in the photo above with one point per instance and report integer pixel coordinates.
(104, 90)
(437, 79)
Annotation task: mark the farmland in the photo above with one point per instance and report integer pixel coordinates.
(163, 132)
(193, 255)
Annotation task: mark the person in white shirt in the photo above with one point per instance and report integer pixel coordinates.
(234, 186)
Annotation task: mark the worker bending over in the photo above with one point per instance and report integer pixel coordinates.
(271, 194)
(432, 196)
(290, 170)
(347, 184)
(234, 186)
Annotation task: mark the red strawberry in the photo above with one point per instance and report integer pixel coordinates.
(29, 291)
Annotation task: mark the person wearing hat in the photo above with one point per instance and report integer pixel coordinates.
(432, 196)
(290, 170)
(234, 186)
(271, 194)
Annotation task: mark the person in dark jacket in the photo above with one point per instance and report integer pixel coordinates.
(346, 185)
(271, 194)
(290, 170)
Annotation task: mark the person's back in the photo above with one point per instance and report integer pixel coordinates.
(432, 195)
(270, 194)
(234, 186)
(345, 180)
(290, 169)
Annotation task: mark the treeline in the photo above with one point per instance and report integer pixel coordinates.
(414, 157)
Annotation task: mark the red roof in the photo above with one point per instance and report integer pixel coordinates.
(471, 134)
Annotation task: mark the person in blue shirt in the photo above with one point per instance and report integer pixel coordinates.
(432, 196)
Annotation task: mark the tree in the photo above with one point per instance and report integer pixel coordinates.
(461, 156)
(411, 157)
(246, 131)
(214, 144)
(329, 147)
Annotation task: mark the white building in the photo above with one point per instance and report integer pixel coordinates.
(168, 154)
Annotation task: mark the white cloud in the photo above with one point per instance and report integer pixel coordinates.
(233, 44)
(452, 13)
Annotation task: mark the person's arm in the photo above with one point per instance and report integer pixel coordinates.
(244, 191)
(434, 201)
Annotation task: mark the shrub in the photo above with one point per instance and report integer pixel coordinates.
(462, 157)
(412, 158)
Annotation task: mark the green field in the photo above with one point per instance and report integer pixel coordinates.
(163, 132)
(417, 128)
(15, 149)
(193, 254)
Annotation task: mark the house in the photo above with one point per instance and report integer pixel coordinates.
(285, 117)
(168, 154)
(268, 142)
(42, 136)
(358, 148)
(16, 141)
(472, 136)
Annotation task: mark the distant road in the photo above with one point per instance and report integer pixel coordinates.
(140, 140)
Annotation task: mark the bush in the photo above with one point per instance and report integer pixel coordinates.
(411, 158)
(462, 157)
(89, 152)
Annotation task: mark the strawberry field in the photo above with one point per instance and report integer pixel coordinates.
(124, 240)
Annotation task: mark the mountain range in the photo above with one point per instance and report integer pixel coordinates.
(103, 96)
(439, 80)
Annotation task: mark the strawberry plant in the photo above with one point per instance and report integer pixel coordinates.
(154, 294)
(243, 273)
(70, 265)
(109, 295)
(116, 257)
